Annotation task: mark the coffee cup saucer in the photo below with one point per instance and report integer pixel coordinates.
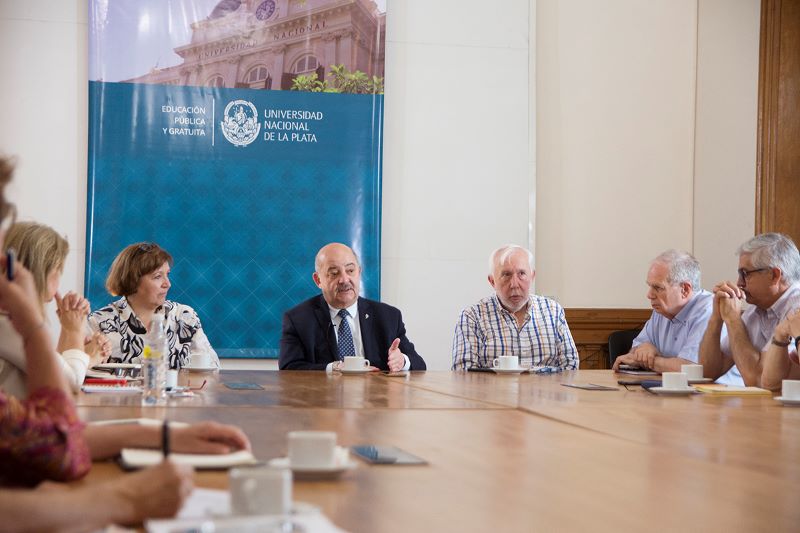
(681, 391)
(199, 368)
(794, 402)
(356, 370)
(518, 370)
(342, 463)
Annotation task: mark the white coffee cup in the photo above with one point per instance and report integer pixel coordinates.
(355, 363)
(791, 389)
(693, 372)
(260, 490)
(312, 449)
(674, 380)
(506, 362)
(200, 360)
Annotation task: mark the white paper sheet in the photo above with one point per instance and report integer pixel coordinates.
(206, 511)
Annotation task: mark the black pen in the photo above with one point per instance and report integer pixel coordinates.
(165, 439)
(10, 257)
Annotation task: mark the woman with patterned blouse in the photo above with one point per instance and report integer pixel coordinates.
(140, 274)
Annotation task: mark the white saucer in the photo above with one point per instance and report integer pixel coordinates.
(701, 380)
(199, 368)
(518, 370)
(675, 392)
(788, 401)
(328, 472)
(356, 371)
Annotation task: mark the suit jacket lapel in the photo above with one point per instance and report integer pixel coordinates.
(366, 321)
(326, 326)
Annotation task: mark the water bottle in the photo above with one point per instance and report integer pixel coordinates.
(154, 366)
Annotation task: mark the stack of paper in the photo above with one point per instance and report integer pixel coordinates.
(717, 388)
(113, 389)
(209, 510)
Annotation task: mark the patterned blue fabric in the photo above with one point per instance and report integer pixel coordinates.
(345, 337)
(243, 223)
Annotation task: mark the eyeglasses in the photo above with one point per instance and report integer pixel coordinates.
(146, 247)
(745, 274)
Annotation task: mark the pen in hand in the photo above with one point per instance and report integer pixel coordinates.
(165, 439)
(10, 257)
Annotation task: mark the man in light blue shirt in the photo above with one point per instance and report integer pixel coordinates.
(671, 337)
(769, 279)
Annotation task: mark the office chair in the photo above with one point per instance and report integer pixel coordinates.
(619, 343)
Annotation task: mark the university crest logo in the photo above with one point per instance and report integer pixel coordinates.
(240, 123)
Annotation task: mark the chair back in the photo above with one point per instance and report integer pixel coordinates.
(619, 343)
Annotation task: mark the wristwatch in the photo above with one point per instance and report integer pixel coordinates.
(782, 344)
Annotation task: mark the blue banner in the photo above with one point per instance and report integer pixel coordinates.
(241, 185)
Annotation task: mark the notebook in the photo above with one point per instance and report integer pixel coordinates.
(138, 458)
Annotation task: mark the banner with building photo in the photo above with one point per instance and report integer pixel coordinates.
(240, 135)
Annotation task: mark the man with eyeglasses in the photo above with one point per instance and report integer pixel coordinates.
(671, 337)
(769, 280)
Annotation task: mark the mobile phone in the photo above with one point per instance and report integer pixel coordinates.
(10, 258)
(630, 381)
(244, 386)
(386, 455)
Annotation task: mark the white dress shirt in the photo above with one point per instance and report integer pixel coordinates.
(355, 329)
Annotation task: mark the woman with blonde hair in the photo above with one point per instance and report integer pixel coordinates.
(43, 252)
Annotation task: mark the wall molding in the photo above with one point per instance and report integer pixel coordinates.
(591, 327)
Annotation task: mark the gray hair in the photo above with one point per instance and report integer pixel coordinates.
(501, 255)
(683, 267)
(774, 250)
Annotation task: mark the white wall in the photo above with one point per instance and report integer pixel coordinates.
(645, 111)
(43, 105)
(646, 125)
(616, 134)
(457, 172)
(725, 139)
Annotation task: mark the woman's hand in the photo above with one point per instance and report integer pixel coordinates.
(72, 310)
(20, 300)
(208, 437)
(156, 492)
(98, 348)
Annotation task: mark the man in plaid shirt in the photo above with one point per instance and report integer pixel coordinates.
(512, 321)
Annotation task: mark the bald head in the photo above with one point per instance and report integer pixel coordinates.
(338, 274)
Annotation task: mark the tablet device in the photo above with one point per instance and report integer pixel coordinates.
(636, 370)
(479, 369)
(386, 455)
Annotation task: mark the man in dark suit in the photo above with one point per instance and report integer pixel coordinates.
(319, 332)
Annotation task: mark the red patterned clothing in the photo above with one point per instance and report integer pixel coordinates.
(41, 438)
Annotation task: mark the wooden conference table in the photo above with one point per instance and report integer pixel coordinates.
(512, 452)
